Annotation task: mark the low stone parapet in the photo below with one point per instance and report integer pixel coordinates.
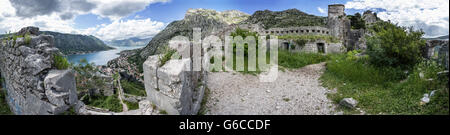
(32, 83)
(173, 87)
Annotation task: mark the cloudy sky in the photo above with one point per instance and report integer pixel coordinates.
(121, 19)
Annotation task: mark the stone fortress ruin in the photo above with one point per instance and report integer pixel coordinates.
(338, 27)
(177, 90)
(36, 87)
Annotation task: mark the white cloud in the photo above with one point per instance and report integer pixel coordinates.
(60, 17)
(116, 9)
(321, 10)
(119, 30)
(430, 15)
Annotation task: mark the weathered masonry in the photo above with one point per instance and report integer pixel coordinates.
(437, 50)
(32, 83)
(174, 87)
(318, 46)
(304, 30)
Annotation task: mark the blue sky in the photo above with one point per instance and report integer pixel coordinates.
(121, 19)
(175, 9)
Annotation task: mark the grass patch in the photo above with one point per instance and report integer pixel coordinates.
(132, 105)
(297, 60)
(111, 103)
(167, 55)
(386, 90)
(203, 110)
(4, 107)
(163, 112)
(133, 88)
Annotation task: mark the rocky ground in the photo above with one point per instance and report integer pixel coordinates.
(296, 92)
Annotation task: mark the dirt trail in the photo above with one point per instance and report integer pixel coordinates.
(119, 87)
(295, 92)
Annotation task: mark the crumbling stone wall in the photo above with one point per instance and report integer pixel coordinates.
(174, 87)
(338, 24)
(356, 40)
(304, 30)
(32, 83)
(311, 47)
(437, 50)
(370, 17)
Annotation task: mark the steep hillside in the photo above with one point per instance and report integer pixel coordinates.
(287, 18)
(213, 22)
(72, 44)
(129, 42)
(207, 20)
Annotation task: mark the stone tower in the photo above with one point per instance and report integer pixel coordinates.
(338, 24)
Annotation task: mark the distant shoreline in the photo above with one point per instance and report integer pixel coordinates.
(88, 52)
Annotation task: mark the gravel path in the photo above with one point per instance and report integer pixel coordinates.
(296, 92)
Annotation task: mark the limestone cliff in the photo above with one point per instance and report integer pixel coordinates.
(287, 18)
(207, 20)
(75, 43)
(33, 84)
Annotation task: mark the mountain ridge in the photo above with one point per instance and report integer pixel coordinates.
(75, 43)
(129, 42)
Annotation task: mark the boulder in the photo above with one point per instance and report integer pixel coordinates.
(348, 102)
(37, 63)
(30, 30)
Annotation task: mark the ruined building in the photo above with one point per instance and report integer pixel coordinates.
(338, 26)
(338, 23)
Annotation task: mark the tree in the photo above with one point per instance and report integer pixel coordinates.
(394, 46)
(357, 22)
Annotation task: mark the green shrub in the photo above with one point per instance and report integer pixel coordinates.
(301, 42)
(394, 46)
(357, 22)
(131, 105)
(351, 55)
(27, 39)
(246, 33)
(163, 112)
(70, 111)
(133, 88)
(60, 62)
(167, 55)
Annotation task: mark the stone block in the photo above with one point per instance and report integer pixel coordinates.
(60, 87)
(37, 63)
(171, 72)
